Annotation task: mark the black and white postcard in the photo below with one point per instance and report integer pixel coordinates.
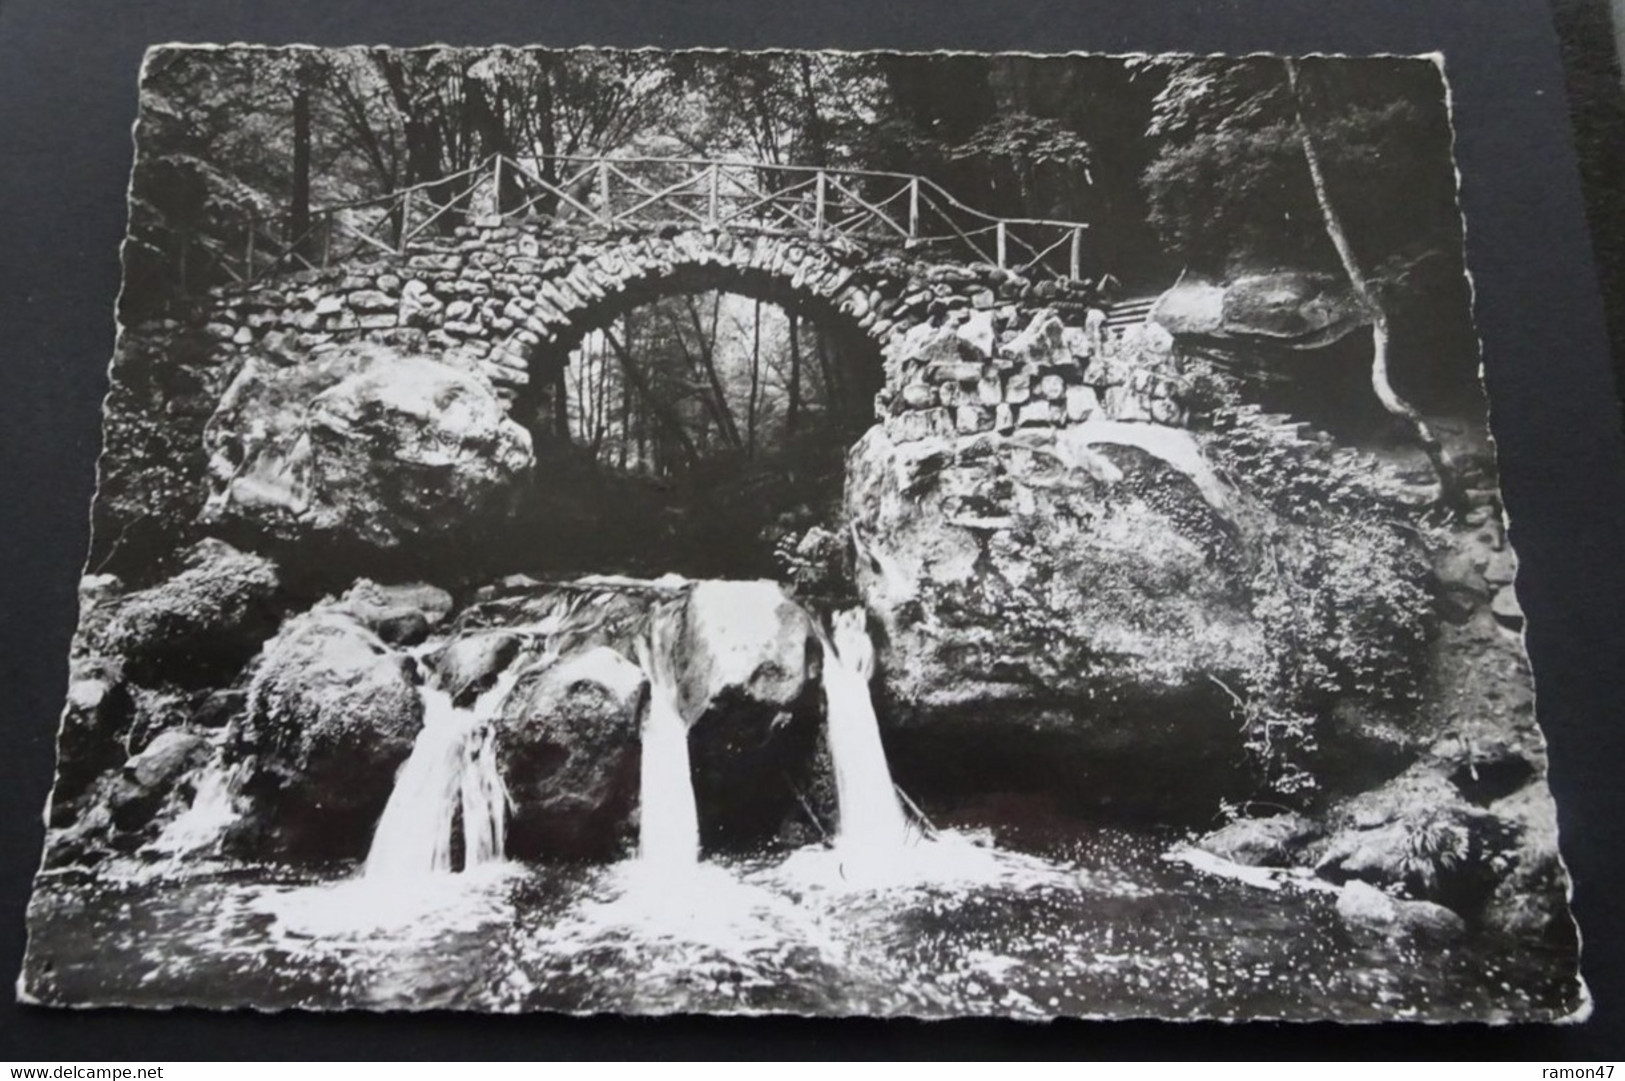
(882, 534)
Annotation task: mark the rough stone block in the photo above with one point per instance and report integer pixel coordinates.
(1036, 415)
(1018, 388)
(329, 305)
(1166, 411)
(919, 395)
(970, 419)
(377, 320)
(1081, 403)
(1129, 405)
(1077, 342)
(955, 371)
(989, 391)
(1004, 418)
(909, 427)
(976, 338)
(1052, 388)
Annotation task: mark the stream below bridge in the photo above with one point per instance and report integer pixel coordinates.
(1095, 923)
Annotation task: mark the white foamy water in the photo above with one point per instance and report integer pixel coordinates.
(213, 809)
(452, 766)
(872, 827)
(668, 819)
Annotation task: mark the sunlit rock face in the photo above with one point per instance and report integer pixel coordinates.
(749, 688)
(360, 445)
(1291, 308)
(567, 749)
(1052, 607)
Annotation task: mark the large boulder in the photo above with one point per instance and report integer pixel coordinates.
(567, 744)
(332, 714)
(1415, 835)
(1287, 308)
(1369, 912)
(744, 642)
(749, 686)
(468, 666)
(199, 627)
(361, 445)
(1271, 841)
(746, 660)
(1057, 611)
(401, 614)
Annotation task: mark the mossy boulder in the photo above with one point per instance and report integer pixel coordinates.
(332, 714)
(199, 627)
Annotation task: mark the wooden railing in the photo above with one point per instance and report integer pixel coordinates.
(826, 205)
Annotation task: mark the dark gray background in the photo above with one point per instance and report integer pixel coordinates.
(67, 100)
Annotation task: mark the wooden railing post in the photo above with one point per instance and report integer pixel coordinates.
(999, 233)
(818, 209)
(327, 238)
(496, 195)
(913, 207)
(605, 213)
(711, 213)
(248, 253)
(406, 220)
(1077, 252)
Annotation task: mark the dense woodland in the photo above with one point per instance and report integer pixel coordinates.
(1181, 168)
(1178, 165)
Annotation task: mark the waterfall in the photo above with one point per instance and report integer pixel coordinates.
(213, 809)
(668, 821)
(871, 819)
(452, 765)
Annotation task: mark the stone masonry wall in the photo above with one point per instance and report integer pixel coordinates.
(967, 348)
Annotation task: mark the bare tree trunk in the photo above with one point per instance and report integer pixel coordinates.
(626, 423)
(755, 379)
(561, 405)
(299, 205)
(600, 393)
(670, 423)
(708, 358)
(1450, 492)
(826, 367)
(792, 411)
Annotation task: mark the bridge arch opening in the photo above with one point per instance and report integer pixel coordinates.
(694, 422)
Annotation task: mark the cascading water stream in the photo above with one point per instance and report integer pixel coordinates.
(871, 821)
(668, 820)
(452, 765)
(213, 809)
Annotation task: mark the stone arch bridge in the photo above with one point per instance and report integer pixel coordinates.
(981, 322)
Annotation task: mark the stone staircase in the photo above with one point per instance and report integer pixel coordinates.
(1126, 313)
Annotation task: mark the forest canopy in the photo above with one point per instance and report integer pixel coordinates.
(1176, 164)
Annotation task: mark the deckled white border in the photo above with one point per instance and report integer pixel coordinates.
(1587, 1003)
